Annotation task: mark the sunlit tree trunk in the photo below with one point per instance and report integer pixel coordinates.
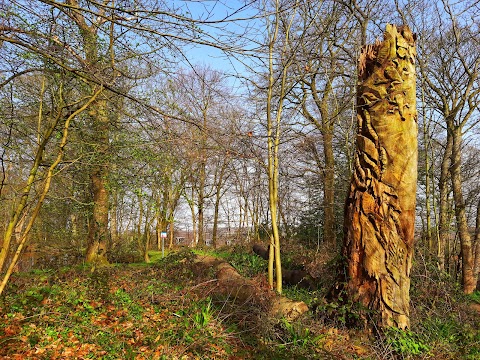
(468, 278)
(273, 144)
(329, 234)
(147, 236)
(380, 207)
(477, 245)
(219, 182)
(326, 126)
(191, 205)
(22, 241)
(426, 149)
(444, 190)
(98, 232)
(114, 234)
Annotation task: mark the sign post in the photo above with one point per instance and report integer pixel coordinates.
(163, 235)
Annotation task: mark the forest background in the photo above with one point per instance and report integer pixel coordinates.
(121, 120)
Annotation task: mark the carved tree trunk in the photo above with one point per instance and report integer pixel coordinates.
(380, 207)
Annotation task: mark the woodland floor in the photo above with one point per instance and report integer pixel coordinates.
(165, 310)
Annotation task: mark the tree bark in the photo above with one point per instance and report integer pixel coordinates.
(477, 245)
(98, 233)
(444, 218)
(329, 234)
(219, 183)
(468, 278)
(380, 207)
(326, 126)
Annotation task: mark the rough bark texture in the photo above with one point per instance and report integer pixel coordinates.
(468, 276)
(380, 207)
(477, 247)
(444, 217)
(98, 233)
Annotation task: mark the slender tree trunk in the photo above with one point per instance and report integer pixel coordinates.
(380, 207)
(201, 203)
(329, 234)
(426, 139)
(147, 236)
(171, 231)
(200, 223)
(158, 231)
(325, 126)
(194, 220)
(48, 180)
(477, 245)
(139, 236)
(114, 220)
(215, 219)
(468, 277)
(218, 196)
(444, 218)
(22, 203)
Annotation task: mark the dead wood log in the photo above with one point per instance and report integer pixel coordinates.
(261, 251)
(241, 290)
(300, 278)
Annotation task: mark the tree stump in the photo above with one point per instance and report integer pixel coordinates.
(380, 207)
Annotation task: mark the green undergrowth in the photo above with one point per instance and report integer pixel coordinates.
(166, 310)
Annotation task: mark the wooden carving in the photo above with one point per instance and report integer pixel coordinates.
(380, 208)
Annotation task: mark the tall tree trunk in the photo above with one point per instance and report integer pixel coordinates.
(114, 234)
(194, 220)
(200, 224)
(444, 189)
(380, 207)
(325, 126)
(329, 234)
(427, 146)
(201, 204)
(147, 236)
(477, 245)
(98, 233)
(468, 278)
(216, 213)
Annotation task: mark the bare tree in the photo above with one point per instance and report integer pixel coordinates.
(450, 69)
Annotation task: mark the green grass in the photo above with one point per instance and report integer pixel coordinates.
(166, 310)
(156, 256)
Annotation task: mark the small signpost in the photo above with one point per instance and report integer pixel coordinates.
(163, 235)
